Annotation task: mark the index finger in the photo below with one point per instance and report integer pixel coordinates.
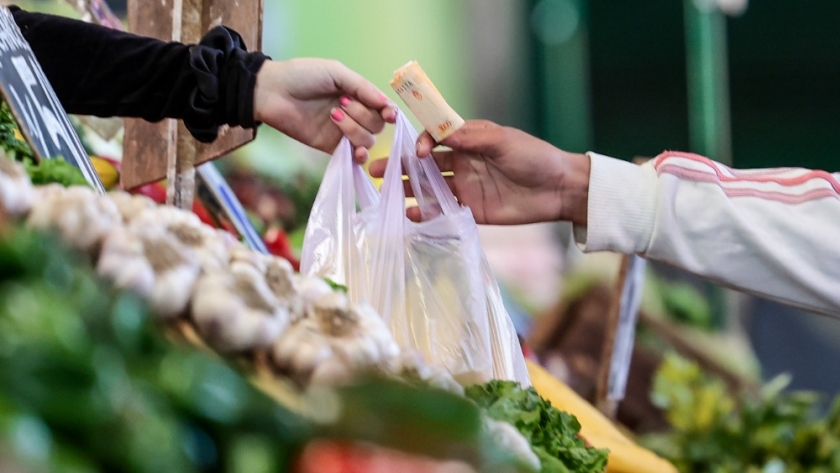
(363, 90)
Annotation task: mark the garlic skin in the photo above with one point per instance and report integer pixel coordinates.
(312, 288)
(243, 255)
(278, 274)
(281, 279)
(131, 205)
(209, 248)
(333, 341)
(78, 214)
(506, 436)
(154, 264)
(235, 311)
(16, 193)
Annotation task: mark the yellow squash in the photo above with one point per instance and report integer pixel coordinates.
(108, 173)
(625, 456)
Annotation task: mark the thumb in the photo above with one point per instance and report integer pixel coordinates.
(476, 136)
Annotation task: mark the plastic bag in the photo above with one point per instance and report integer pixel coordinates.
(430, 280)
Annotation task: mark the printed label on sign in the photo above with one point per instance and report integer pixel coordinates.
(42, 119)
(625, 335)
(213, 187)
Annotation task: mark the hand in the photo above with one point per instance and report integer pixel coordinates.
(316, 101)
(507, 176)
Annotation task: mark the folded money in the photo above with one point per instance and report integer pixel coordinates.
(425, 102)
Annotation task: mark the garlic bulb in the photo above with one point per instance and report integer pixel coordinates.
(278, 274)
(312, 288)
(16, 192)
(80, 216)
(281, 279)
(188, 229)
(506, 436)
(240, 254)
(153, 263)
(235, 311)
(130, 205)
(334, 340)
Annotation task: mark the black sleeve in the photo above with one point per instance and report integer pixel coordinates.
(100, 71)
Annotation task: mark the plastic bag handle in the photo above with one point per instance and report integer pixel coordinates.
(330, 221)
(430, 189)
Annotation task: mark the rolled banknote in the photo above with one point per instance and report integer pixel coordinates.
(423, 99)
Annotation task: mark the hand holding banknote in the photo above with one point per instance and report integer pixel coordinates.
(507, 176)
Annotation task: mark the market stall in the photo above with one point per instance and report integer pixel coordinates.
(140, 336)
(149, 290)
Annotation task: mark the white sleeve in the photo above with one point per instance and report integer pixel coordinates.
(770, 232)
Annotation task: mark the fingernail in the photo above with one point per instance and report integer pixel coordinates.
(344, 101)
(383, 97)
(337, 115)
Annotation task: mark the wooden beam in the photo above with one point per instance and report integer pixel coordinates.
(152, 149)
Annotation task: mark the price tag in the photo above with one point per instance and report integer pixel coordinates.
(625, 335)
(218, 198)
(42, 119)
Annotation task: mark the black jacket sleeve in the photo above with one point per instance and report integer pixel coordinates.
(100, 71)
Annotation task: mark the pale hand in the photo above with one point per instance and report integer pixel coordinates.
(316, 101)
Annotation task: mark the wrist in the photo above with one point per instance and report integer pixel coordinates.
(261, 77)
(573, 187)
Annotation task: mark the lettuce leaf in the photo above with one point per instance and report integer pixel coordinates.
(553, 434)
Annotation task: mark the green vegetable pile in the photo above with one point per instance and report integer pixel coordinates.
(553, 434)
(48, 171)
(14, 147)
(771, 431)
(87, 385)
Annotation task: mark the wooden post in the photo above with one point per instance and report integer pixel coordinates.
(157, 150)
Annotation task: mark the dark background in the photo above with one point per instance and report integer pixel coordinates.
(785, 92)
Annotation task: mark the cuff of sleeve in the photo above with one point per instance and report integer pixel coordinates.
(621, 209)
(226, 75)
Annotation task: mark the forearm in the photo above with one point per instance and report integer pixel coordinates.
(99, 71)
(768, 232)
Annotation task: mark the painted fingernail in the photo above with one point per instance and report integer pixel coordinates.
(383, 97)
(337, 115)
(344, 101)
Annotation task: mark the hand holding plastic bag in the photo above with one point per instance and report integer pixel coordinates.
(429, 280)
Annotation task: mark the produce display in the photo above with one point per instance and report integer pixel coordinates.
(553, 434)
(297, 337)
(767, 431)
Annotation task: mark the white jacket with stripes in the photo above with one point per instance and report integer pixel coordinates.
(770, 232)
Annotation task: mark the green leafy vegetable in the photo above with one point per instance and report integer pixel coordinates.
(553, 434)
(48, 170)
(764, 432)
(336, 286)
(56, 171)
(88, 384)
(15, 147)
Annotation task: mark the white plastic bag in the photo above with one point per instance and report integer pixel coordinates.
(429, 280)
